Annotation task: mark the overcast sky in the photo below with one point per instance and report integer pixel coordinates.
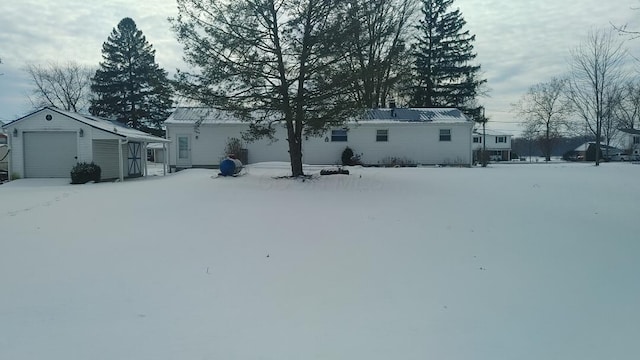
(519, 42)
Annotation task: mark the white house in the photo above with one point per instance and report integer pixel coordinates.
(498, 144)
(50, 142)
(199, 137)
(629, 140)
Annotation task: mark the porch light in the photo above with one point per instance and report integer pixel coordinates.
(15, 132)
(81, 133)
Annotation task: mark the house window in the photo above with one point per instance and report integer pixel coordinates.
(382, 135)
(339, 135)
(445, 134)
(636, 139)
(501, 139)
(477, 139)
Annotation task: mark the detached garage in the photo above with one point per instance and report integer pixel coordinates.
(50, 141)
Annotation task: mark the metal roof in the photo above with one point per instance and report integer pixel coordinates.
(109, 126)
(435, 115)
(202, 115)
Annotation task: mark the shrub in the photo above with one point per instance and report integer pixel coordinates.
(347, 154)
(396, 161)
(84, 172)
(349, 158)
(235, 149)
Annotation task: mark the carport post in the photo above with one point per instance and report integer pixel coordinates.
(121, 171)
(165, 160)
(144, 157)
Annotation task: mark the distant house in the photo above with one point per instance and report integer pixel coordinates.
(156, 152)
(50, 142)
(498, 145)
(629, 140)
(199, 137)
(587, 152)
(3, 137)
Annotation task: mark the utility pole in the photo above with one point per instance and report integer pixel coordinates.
(484, 140)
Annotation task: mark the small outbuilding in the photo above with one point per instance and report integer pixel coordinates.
(49, 142)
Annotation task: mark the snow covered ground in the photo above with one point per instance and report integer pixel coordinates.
(513, 261)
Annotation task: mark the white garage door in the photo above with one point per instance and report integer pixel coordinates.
(49, 154)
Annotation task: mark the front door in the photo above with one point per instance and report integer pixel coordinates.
(184, 151)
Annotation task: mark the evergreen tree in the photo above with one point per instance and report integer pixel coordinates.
(129, 85)
(444, 75)
(377, 52)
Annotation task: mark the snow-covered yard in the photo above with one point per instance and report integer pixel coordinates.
(513, 261)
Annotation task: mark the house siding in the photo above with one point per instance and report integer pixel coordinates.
(416, 142)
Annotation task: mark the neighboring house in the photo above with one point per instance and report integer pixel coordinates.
(629, 140)
(156, 152)
(4, 154)
(50, 142)
(199, 137)
(4, 162)
(587, 152)
(498, 145)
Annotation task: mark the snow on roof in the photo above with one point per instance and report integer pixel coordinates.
(490, 132)
(586, 145)
(109, 126)
(202, 115)
(631, 131)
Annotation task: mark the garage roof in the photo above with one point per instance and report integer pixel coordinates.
(109, 126)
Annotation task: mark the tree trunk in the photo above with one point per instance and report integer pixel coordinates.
(295, 154)
(547, 146)
(598, 134)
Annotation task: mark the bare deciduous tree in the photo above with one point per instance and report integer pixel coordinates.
(66, 86)
(610, 121)
(628, 113)
(545, 109)
(596, 74)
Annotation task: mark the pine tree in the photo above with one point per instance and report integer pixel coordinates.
(129, 85)
(444, 74)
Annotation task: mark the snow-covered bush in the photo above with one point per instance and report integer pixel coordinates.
(84, 172)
